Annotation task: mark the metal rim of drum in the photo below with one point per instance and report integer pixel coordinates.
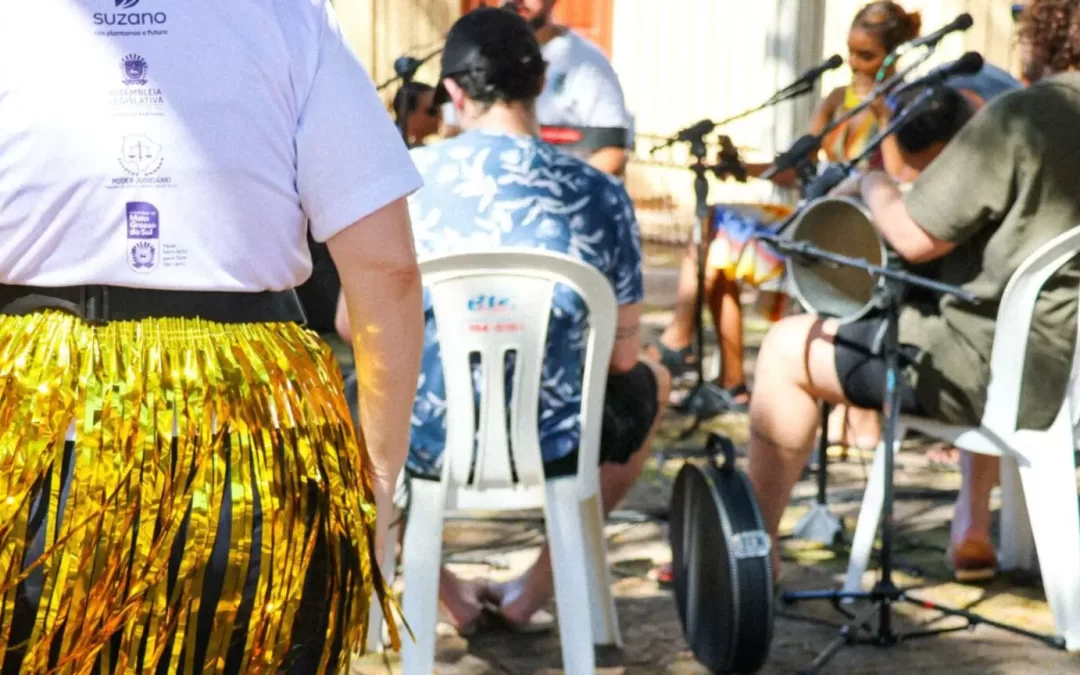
(795, 273)
(728, 621)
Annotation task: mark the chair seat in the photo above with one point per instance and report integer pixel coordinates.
(973, 439)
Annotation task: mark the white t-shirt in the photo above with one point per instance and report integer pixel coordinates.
(582, 88)
(178, 145)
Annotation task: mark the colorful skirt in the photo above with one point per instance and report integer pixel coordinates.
(735, 252)
(211, 511)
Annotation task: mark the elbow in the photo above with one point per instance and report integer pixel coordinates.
(622, 363)
(341, 325)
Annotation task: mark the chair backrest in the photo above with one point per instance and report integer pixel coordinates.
(1014, 327)
(492, 304)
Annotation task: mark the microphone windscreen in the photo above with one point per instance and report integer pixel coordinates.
(968, 64)
(964, 21)
(835, 61)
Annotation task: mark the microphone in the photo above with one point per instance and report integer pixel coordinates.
(960, 23)
(968, 64)
(690, 134)
(815, 73)
(805, 82)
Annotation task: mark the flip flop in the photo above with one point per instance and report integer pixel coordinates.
(541, 621)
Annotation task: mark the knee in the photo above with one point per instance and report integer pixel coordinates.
(784, 352)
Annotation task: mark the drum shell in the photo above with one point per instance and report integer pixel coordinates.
(722, 568)
(843, 226)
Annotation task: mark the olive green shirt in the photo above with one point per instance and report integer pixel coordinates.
(1008, 183)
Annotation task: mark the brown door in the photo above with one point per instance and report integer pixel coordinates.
(591, 18)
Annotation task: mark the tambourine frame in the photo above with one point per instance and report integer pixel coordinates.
(721, 564)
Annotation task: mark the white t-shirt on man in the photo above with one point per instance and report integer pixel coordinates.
(177, 145)
(582, 89)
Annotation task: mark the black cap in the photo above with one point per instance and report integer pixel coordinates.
(496, 42)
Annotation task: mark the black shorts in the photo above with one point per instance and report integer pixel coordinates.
(860, 365)
(631, 404)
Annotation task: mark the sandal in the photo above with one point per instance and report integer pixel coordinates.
(971, 561)
(677, 361)
(732, 393)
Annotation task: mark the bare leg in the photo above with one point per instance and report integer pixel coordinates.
(728, 319)
(795, 369)
(970, 533)
(680, 333)
(519, 599)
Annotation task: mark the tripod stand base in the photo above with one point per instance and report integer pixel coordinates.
(820, 525)
(859, 631)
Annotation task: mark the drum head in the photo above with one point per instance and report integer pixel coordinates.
(842, 226)
(722, 569)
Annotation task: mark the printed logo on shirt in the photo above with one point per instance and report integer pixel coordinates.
(130, 24)
(143, 236)
(136, 98)
(141, 159)
(135, 68)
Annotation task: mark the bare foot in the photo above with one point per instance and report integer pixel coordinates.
(516, 601)
(461, 601)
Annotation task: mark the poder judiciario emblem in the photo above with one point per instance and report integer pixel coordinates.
(141, 159)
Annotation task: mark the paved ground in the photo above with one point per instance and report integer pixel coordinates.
(651, 628)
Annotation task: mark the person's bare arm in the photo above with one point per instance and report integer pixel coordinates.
(611, 161)
(382, 316)
(627, 340)
(891, 218)
(823, 116)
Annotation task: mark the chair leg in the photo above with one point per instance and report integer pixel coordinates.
(862, 545)
(566, 538)
(422, 558)
(375, 639)
(1017, 540)
(605, 619)
(1048, 473)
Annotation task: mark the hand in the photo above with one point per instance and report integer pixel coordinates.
(880, 109)
(384, 515)
(850, 187)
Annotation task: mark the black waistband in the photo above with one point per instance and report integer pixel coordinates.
(102, 304)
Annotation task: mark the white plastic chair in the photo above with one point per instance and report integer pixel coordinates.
(494, 303)
(1038, 468)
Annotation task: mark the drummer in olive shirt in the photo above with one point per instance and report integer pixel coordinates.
(1001, 189)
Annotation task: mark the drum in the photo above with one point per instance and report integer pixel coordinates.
(721, 564)
(843, 226)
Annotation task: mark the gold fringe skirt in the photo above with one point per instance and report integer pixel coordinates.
(213, 468)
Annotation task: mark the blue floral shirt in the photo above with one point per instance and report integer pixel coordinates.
(485, 191)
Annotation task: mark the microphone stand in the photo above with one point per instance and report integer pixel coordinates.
(405, 69)
(706, 400)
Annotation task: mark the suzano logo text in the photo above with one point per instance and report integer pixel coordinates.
(132, 19)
